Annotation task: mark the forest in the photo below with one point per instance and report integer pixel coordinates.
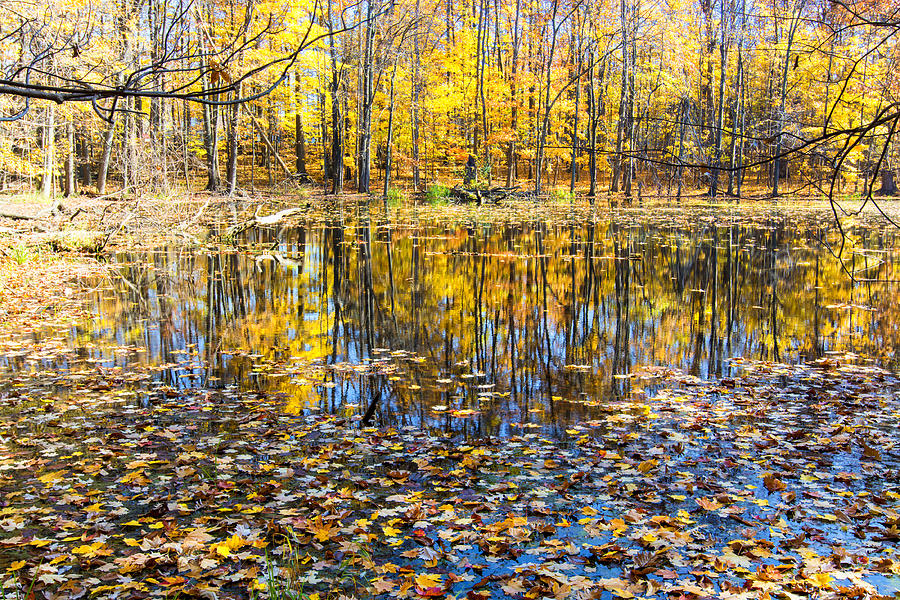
(640, 97)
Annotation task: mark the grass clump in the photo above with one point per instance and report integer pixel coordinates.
(20, 253)
(394, 197)
(437, 195)
(562, 195)
(77, 240)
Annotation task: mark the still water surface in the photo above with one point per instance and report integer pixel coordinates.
(487, 328)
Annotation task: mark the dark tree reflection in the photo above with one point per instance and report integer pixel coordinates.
(503, 328)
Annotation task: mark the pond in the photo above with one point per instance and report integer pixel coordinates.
(494, 328)
(646, 405)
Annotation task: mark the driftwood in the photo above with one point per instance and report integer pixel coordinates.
(18, 216)
(493, 195)
(272, 219)
(73, 240)
(114, 194)
(278, 258)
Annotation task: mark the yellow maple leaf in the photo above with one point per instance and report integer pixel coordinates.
(648, 465)
(819, 580)
(708, 503)
(225, 548)
(428, 580)
(320, 529)
(135, 477)
(16, 565)
(89, 550)
(52, 477)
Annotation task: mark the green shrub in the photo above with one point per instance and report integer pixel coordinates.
(437, 194)
(562, 195)
(394, 197)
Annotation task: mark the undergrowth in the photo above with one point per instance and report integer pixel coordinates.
(437, 195)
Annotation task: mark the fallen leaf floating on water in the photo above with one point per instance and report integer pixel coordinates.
(663, 498)
(773, 484)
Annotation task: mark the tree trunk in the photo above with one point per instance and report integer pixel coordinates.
(742, 110)
(70, 189)
(620, 126)
(778, 166)
(103, 170)
(300, 145)
(49, 148)
(417, 60)
(545, 120)
(630, 120)
(271, 147)
(481, 63)
(594, 110)
(211, 144)
(233, 124)
(574, 165)
(326, 143)
(367, 97)
(683, 113)
(185, 140)
(337, 120)
(511, 159)
(390, 140)
(155, 13)
(888, 185)
(720, 116)
(734, 110)
(83, 149)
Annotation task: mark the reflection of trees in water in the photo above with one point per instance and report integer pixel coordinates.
(550, 315)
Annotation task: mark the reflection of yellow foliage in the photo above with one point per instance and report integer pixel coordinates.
(287, 315)
(302, 398)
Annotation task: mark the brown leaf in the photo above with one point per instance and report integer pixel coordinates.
(773, 484)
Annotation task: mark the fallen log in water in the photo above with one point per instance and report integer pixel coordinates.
(272, 219)
(492, 195)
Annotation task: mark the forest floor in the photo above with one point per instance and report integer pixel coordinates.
(90, 224)
(782, 482)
